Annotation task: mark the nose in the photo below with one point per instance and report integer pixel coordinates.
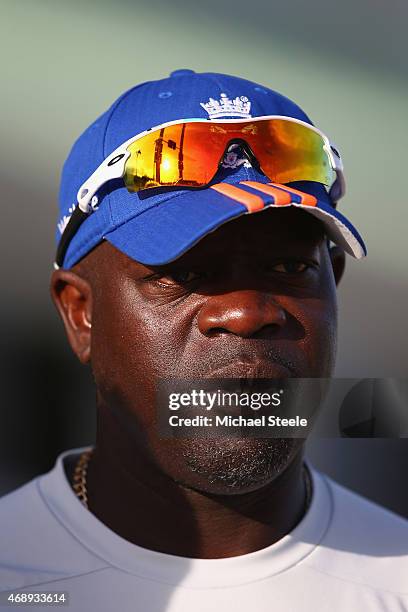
(242, 313)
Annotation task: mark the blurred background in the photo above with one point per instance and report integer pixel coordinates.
(62, 64)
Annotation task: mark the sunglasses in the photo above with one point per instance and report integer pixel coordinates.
(189, 153)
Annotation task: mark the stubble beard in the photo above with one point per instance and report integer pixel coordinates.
(239, 465)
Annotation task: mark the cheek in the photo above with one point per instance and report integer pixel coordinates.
(133, 344)
(318, 318)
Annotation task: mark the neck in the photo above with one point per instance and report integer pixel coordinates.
(143, 505)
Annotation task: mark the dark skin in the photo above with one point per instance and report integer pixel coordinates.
(257, 297)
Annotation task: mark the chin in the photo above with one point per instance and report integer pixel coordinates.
(232, 466)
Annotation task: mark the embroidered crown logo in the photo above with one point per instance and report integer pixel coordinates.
(225, 107)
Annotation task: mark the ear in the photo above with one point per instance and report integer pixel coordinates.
(338, 261)
(72, 296)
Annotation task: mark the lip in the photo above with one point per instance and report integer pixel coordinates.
(259, 368)
(257, 374)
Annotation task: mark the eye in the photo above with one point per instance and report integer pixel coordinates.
(291, 267)
(178, 277)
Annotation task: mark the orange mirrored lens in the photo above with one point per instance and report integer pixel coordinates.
(289, 152)
(188, 154)
(175, 155)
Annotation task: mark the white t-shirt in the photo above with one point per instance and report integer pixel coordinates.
(347, 554)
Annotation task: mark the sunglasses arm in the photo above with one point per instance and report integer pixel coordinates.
(338, 189)
(76, 219)
(111, 168)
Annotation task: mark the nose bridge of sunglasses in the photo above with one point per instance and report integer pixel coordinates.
(238, 149)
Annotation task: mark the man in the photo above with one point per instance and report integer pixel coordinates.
(195, 241)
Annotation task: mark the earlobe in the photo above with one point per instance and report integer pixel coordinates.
(72, 296)
(338, 261)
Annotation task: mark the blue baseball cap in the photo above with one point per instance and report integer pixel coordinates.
(156, 226)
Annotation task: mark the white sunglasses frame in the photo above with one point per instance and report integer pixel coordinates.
(113, 167)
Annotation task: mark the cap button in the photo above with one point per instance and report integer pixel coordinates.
(181, 72)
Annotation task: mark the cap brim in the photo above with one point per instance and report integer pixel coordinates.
(164, 232)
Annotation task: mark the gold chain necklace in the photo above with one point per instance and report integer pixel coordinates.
(79, 477)
(81, 468)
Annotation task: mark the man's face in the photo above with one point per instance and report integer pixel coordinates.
(254, 298)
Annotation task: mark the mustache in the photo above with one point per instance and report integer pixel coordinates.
(251, 352)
